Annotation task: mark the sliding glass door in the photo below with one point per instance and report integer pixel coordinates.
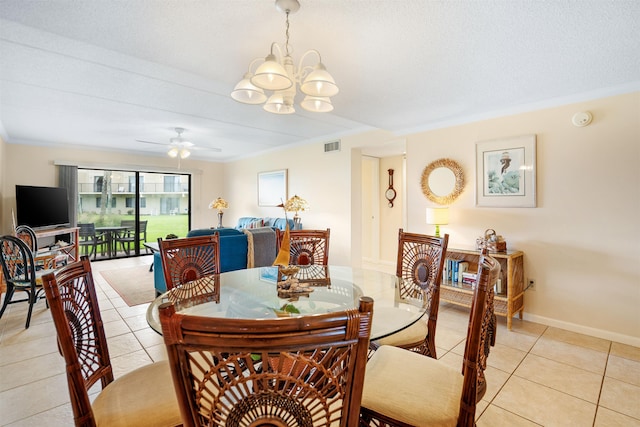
(128, 209)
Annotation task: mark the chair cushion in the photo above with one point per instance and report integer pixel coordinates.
(413, 334)
(412, 388)
(144, 397)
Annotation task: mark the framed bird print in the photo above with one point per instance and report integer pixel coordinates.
(506, 172)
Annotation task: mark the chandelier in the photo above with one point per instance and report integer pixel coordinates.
(278, 75)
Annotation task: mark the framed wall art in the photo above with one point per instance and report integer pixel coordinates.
(272, 188)
(506, 172)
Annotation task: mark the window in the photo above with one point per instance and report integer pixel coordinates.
(172, 184)
(99, 202)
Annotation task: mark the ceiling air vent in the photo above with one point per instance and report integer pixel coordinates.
(332, 146)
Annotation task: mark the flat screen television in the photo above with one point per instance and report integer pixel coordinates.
(42, 207)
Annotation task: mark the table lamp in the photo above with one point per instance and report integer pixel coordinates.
(219, 204)
(296, 204)
(437, 217)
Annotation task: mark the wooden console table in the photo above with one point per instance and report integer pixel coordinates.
(509, 301)
(72, 248)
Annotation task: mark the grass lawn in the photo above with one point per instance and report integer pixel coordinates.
(157, 225)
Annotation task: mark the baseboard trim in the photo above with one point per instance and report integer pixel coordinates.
(586, 330)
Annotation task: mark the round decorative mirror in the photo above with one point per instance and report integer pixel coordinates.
(442, 181)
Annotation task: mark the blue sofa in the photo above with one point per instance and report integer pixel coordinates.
(233, 247)
(254, 222)
(233, 253)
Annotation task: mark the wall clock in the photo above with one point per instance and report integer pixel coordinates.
(390, 194)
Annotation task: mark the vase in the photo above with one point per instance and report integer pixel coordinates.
(220, 213)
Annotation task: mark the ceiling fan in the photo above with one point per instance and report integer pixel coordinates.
(178, 146)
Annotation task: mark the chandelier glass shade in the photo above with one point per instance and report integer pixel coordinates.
(277, 74)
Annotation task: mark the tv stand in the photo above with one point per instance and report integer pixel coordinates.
(72, 248)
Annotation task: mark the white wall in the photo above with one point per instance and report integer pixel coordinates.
(582, 242)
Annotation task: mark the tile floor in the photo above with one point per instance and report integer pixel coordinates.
(537, 375)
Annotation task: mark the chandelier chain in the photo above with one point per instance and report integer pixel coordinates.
(286, 45)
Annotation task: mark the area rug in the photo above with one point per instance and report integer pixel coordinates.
(134, 284)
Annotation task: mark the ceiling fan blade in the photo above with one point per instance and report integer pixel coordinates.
(197, 147)
(151, 142)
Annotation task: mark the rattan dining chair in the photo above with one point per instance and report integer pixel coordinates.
(143, 397)
(403, 388)
(297, 371)
(20, 274)
(419, 267)
(189, 258)
(308, 247)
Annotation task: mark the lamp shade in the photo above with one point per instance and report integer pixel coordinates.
(219, 204)
(270, 75)
(276, 104)
(437, 216)
(317, 104)
(248, 93)
(319, 83)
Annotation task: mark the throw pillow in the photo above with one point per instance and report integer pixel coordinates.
(256, 223)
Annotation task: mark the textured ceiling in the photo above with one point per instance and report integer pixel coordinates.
(105, 73)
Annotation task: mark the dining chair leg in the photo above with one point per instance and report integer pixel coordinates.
(7, 297)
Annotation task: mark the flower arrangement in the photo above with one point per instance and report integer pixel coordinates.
(219, 204)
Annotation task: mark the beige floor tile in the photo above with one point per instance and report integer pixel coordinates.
(136, 310)
(496, 379)
(516, 339)
(505, 358)
(137, 323)
(562, 377)
(626, 351)
(61, 416)
(123, 344)
(495, 416)
(32, 348)
(521, 327)
(448, 338)
(35, 332)
(544, 405)
(621, 397)
(608, 418)
(574, 355)
(115, 328)
(157, 352)
(32, 398)
(128, 362)
(31, 369)
(149, 337)
(622, 369)
(574, 338)
(109, 315)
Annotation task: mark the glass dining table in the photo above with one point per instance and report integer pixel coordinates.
(260, 293)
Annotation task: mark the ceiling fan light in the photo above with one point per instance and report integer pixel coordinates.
(319, 83)
(248, 93)
(278, 105)
(317, 104)
(184, 153)
(173, 152)
(270, 75)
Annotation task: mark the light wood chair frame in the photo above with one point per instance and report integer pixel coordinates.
(303, 371)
